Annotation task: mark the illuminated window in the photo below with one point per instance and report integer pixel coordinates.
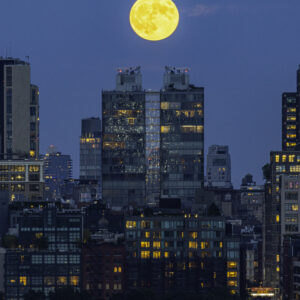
(131, 121)
(295, 169)
(221, 244)
(277, 258)
(145, 244)
(277, 218)
(291, 118)
(277, 269)
(291, 109)
(231, 265)
(130, 224)
(291, 144)
(164, 105)
(23, 280)
(204, 245)
(61, 280)
(291, 127)
(74, 280)
(276, 158)
(193, 245)
(34, 169)
(166, 254)
(156, 245)
(32, 153)
(117, 269)
(145, 224)
(39, 235)
(231, 274)
(194, 235)
(107, 286)
(283, 158)
(156, 254)
(147, 234)
(291, 136)
(145, 254)
(165, 129)
(295, 207)
(291, 158)
(232, 283)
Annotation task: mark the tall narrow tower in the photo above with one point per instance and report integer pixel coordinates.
(182, 136)
(90, 149)
(19, 111)
(124, 141)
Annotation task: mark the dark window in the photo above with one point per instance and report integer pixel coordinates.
(34, 187)
(8, 76)
(32, 110)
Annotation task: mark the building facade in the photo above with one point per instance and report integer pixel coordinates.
(90, 149)
(153, 142)
(182, 136)
(282, 163)
(124, 141)
(48, 256)
(57, 169)
(103, 265)
(185, 252)
(19, 111)
(22, 178)
(291, 119)
(218, 170)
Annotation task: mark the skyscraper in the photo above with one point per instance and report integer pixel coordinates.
(123, 156)
(90, 149)
(152, 141)
(182, 136)
(19, 111)
(291, 118)
(57, 169)
(218, 170)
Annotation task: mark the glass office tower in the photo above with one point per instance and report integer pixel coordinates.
(182, 137)
(124, 141)
(153, 142)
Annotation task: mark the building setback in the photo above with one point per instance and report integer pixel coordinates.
(19, 111)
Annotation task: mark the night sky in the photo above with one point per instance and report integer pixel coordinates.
(244, 52)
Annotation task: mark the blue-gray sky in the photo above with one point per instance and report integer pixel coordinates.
(244, 52)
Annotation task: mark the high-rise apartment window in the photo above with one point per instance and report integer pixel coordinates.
(32, 110)
(9, 76)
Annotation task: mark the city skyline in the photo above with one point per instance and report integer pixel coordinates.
(230, 38)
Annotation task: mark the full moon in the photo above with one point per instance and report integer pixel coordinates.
(154, 20)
